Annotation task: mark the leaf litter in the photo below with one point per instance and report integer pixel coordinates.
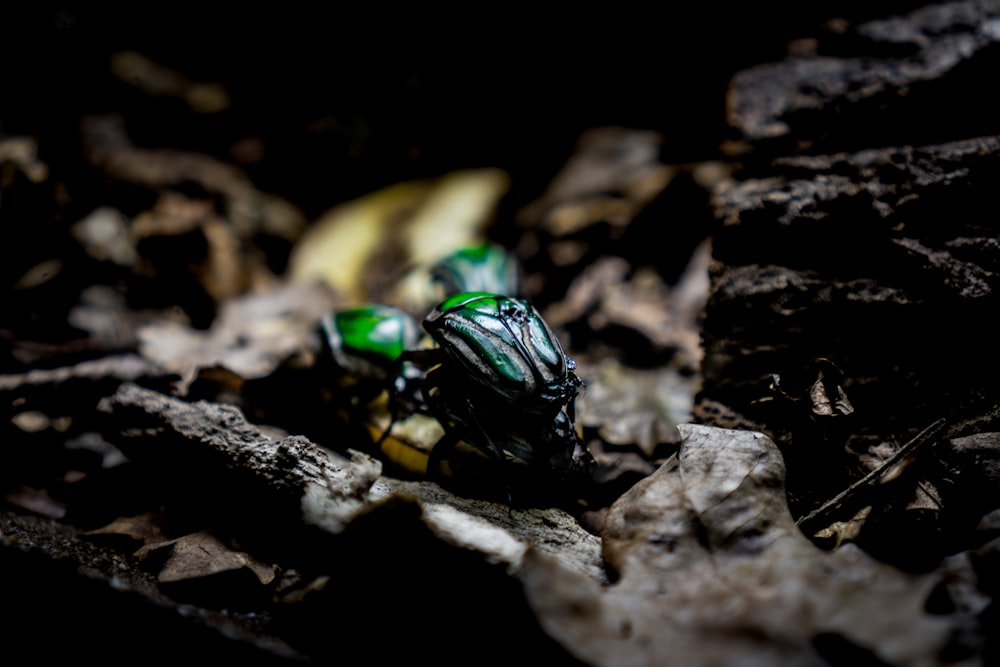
(711, 569)
(705, 561)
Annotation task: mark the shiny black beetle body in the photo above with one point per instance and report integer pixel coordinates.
(504, 384)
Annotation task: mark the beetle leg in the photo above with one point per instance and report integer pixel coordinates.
(571, 410)
(444, 410)
(393, 418)
(445, 444)
(425, 357)
(409, 380)
(491, 447)
(405, 393)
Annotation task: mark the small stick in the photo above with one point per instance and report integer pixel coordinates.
(830, 507)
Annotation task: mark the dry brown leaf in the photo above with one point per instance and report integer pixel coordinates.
(632, 406)
(144, 528)
(609, 295)
(613, 174)
(251, 337)
(713, 570)
(845, 531)
(35, 500)
(203, 554)
(629, 405)
(379, 246)
(823, 405)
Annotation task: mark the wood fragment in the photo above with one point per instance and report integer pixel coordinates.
(290, 474)
(856, 492)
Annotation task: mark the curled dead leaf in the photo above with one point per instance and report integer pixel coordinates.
(251, 337)
(632, 406)
(713, 570)
(144, 529)
(203, 554)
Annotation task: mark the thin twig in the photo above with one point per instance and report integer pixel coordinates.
(832, 506)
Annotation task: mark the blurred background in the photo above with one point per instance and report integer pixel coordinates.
(325, 102)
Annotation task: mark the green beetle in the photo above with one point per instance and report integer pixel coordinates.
(505, 346)
(484, 267)
(497, 380)
(366, 341)
(367, 344)
(503, 384)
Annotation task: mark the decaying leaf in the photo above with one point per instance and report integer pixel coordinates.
(845, 531)
(586, 290)
(632, 406)
(39, 501)
(368, 248)
(614, 172)
(104, 315)
(712, 570)
(856, 496)
(145, 529)
(829, 401)
(609, 296)
(251, 337)
(203, 554)
(638, 406)
(409, 441)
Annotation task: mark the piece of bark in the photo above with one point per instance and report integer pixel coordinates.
(194, 438)
(915, 77)
(855, 263)
(74, 391)
(392, 541)
(878, 267)
(276, 483)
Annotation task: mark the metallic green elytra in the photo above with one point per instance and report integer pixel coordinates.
(366, 341)
(486, 267)
(504, 345)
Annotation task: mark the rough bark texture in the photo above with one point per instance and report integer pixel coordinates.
(855, 256)
(875, 84)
